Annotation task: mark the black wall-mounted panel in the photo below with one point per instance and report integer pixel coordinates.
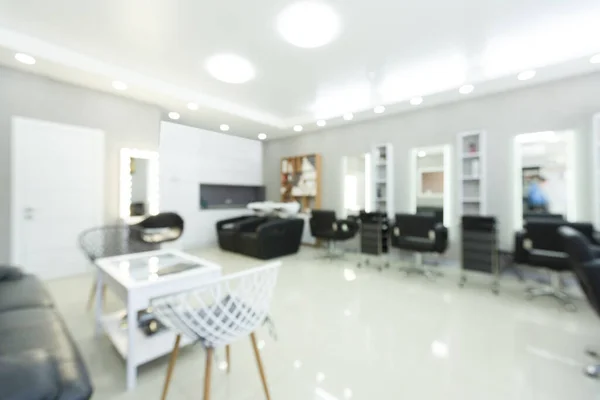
(229, 196)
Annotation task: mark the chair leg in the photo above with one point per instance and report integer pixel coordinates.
(228, 357)
(207, 373)
(172, 361)
(260, 366)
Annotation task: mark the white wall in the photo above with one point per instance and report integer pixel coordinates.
(126, 123)
(191, 156)
(562, 105)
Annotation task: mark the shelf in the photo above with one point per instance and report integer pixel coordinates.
(148, 348)
(381, 181)
(381, 200)
(471, 178)
(471, 200)
(468, 156)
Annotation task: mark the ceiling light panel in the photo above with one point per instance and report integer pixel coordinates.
(595, 59)
(230, 68)
(379, 109)
(118, 85)
(174, 115)
(192, 106)
(308, 24)
(466, 89)
(224, 127)
(298, 128)
(321, 122)
(526, 75)
(25, 58)
(262, 136)
(348, 117)
(415, 101)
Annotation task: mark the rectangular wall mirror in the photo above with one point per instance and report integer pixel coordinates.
(356, 183)
(139, 184)
(544, 176)
(431, 182)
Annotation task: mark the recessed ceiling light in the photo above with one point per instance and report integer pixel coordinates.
(25, 58)
(118, 85)
(224, 127)
(262, 136)
(320, 377)
(595, 59)
(192, 106)
(347, 393)
(525, 75)
(415, 101)
(348, 116)
(308, 24)
(298, 128)
(321, 122)
(421, 154)
(230, 68)
(174, 115)
(379, 109)
(466, 89)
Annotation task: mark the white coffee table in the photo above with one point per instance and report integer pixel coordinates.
(137, 279)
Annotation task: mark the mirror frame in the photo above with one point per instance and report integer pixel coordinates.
(125, 181)
(446, 150)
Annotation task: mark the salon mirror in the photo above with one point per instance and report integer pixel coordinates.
(431, 179)
(544, 176)
(139, 184)
(356, 178)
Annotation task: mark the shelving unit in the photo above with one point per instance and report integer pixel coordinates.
(596, 169)
(472, 173)
(383, 179)
(301, 180)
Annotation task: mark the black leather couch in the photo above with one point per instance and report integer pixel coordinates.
(38, 358)
(261, 237)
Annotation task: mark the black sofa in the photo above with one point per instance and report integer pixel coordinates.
(38, 358)
(261, 237)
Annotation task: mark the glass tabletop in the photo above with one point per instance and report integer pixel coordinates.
(151, 268)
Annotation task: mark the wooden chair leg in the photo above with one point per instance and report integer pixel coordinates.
(207, 373)
(92, 295)
(228, 357)
(172, 361)
(260, 366)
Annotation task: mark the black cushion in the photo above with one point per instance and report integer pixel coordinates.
(27, 292)
(30, 375)
(9, 273)
(41, 328)
(420, 233)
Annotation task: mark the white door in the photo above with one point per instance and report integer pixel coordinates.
(57, 192)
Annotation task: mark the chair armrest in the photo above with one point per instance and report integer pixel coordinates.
(346, 225)
(220, 224)
(251, 225)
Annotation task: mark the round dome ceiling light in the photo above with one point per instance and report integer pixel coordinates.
(415, 101)
(174, 115)
(466, 89)
(25, 58)
(192, 106)
(348, 117)
(230, 68)
(379, 109)
(308, 24)
(595, 59)
(224, 127)
(321, 122)
(262, 136)
(526, 75)
(298, 128)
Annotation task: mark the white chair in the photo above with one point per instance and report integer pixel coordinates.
(219, 313)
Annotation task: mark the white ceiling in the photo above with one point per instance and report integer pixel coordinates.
(386, 52)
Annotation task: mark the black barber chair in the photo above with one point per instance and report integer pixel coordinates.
(419, 234)
(584, 259)
(324, 225)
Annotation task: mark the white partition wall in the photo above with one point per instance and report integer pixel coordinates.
(191, 156)
(382, 179)
(472, 173)
(596, 167)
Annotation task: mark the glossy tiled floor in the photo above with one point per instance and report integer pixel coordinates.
(379, 336)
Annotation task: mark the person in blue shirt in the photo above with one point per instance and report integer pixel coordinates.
(536, 197)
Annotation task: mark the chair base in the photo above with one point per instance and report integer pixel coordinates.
(553, 290)
(332, 252)
(418, 268)
(367, 263)
(593, 371)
